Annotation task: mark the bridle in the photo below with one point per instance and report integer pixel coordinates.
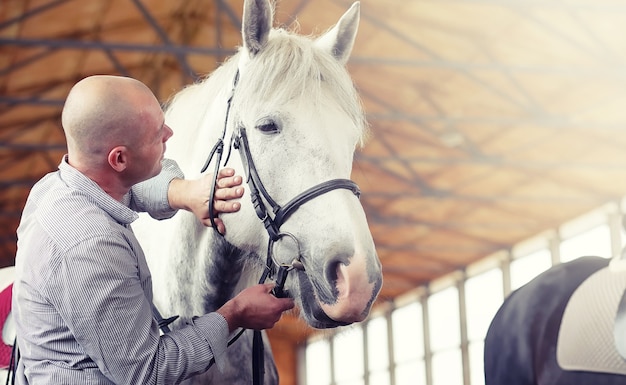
(263, 203)
(269, 212)
(267, 209)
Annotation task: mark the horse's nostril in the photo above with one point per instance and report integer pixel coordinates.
(334, 274)
(331, 273)
(351, 289)
(333, 270)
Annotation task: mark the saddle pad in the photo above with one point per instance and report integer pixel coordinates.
(586, 340)
(5, 309)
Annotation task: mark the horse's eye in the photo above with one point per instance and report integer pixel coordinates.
(268, 127)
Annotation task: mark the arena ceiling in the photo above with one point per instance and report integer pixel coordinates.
(492, 120)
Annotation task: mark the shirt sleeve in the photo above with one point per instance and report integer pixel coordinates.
(98, 293)
(151, 195)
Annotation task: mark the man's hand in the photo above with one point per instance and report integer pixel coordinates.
(255, 308)
(193, 195)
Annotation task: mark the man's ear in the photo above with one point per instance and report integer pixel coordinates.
(118, 158)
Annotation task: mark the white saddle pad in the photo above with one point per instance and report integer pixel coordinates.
(586, 339)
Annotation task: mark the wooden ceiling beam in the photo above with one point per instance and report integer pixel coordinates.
(97, 45)
(12, 101)
(181, 57)
(33, 12)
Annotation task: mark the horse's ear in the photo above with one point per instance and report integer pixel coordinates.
(340, 39)
(258, 16)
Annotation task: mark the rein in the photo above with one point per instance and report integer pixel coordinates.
(264, 203)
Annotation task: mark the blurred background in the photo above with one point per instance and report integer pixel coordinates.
(497, 148)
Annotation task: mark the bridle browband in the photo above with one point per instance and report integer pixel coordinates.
(263, 203)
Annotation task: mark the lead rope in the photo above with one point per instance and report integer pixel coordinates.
(15, 357)
(163, 322)
(258, 349)
(258, 358)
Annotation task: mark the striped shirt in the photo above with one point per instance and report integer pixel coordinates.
(82, 294)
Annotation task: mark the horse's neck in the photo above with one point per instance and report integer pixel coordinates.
(203, 272)
(224, 273)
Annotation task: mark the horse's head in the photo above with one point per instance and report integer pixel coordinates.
(302, 120)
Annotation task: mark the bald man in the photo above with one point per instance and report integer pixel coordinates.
(82, 294)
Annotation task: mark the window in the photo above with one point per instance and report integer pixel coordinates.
(318, 363)
(445, 337)
(411, 374)
(377, 351)
(476, 360)
(448, 367)
(596, 242)
(483, 297)
(525, 268)
(408, 345)
(443, 308)
(348, 357)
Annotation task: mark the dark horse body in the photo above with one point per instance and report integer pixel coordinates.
(521, 344)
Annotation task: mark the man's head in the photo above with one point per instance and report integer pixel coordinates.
(115, 125)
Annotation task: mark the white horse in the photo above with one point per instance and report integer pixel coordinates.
(296, 118)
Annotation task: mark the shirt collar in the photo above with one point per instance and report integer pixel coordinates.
(120, 211)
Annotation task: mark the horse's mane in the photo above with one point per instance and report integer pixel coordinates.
(196, 96)
(285, 55)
